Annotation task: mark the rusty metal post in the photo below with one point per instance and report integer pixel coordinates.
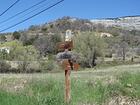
(67, 86)
(67, 64)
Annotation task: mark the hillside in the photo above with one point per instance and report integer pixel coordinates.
(114, 26)
(128, 22)
(116, 44)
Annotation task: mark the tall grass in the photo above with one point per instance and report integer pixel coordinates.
(130, 84)
(51, 91)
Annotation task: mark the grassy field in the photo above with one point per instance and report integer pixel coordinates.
(109, 86)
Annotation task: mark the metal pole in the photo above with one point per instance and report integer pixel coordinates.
(67, 86)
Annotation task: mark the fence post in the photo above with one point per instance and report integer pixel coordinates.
(67, 86)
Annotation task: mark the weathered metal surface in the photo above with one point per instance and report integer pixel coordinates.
(69, 65)
(65, 56)
(67, 86)
(61, 46)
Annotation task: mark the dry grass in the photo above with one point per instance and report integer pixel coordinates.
(89, 87)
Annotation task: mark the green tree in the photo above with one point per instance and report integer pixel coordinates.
(16, 35)
(2, 38)
(24, 55)
(123, 48)
(20, 52)
(89, 45)
(47, 44)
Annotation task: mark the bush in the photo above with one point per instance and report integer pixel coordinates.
(89, 46)
(23, 67)
(16, 35)
(4, 67)
(50, 65)
(28, 67)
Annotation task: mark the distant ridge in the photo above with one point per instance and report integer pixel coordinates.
(128, 22)
(114, 18)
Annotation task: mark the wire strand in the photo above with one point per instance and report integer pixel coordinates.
(9, 7)
(32, 16)
(22, 11)
(30, 12)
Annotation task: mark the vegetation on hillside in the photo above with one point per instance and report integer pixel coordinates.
(38, 43)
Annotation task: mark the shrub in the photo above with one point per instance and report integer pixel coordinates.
(89, 46)
(23, 66)
(4, 67)
(50, 65)
(28, 67)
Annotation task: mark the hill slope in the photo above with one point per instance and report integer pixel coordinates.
(129, 22)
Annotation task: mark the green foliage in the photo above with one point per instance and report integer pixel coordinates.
(46, 66)
(124, 43)
(37, 93)
(3, 55)
(130, 84)
(114, 30)
(47, 44)
(91, 92)
(46, 90)
(19, 52)
(33, 27)
(15, 99)
(16, 35)
(4, 67)
(27, 39)
(23, 66)
(2, 38)
(49, 66)
(25, 56)
(89, 46)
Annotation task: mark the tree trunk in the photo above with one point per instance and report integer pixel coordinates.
(123, 54)
(94, 59)
(132, 59)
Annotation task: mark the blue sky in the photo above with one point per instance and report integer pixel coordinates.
(88, 9)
